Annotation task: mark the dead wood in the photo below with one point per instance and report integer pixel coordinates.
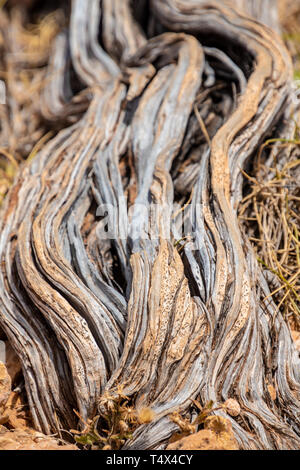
(173, 98)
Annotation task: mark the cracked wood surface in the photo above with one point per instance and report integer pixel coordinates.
(86, 314)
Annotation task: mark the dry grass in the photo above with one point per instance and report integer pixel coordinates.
(23, 63)
(289, 11)
(270, 213)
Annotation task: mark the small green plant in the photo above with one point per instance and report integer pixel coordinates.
(115, 423)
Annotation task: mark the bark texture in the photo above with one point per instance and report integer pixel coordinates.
(179, 94)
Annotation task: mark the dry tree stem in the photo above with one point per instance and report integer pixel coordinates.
(86, 314)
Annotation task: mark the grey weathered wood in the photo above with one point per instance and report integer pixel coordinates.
(86, 314)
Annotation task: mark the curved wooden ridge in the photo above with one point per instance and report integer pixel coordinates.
(179, 94)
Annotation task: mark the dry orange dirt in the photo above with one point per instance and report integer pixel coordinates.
(16, 432)
(217, 435)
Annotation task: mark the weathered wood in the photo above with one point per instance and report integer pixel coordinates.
(169, 320)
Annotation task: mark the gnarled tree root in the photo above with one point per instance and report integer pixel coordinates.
(182, 94)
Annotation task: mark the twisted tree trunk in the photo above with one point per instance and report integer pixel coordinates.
(181, 95)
